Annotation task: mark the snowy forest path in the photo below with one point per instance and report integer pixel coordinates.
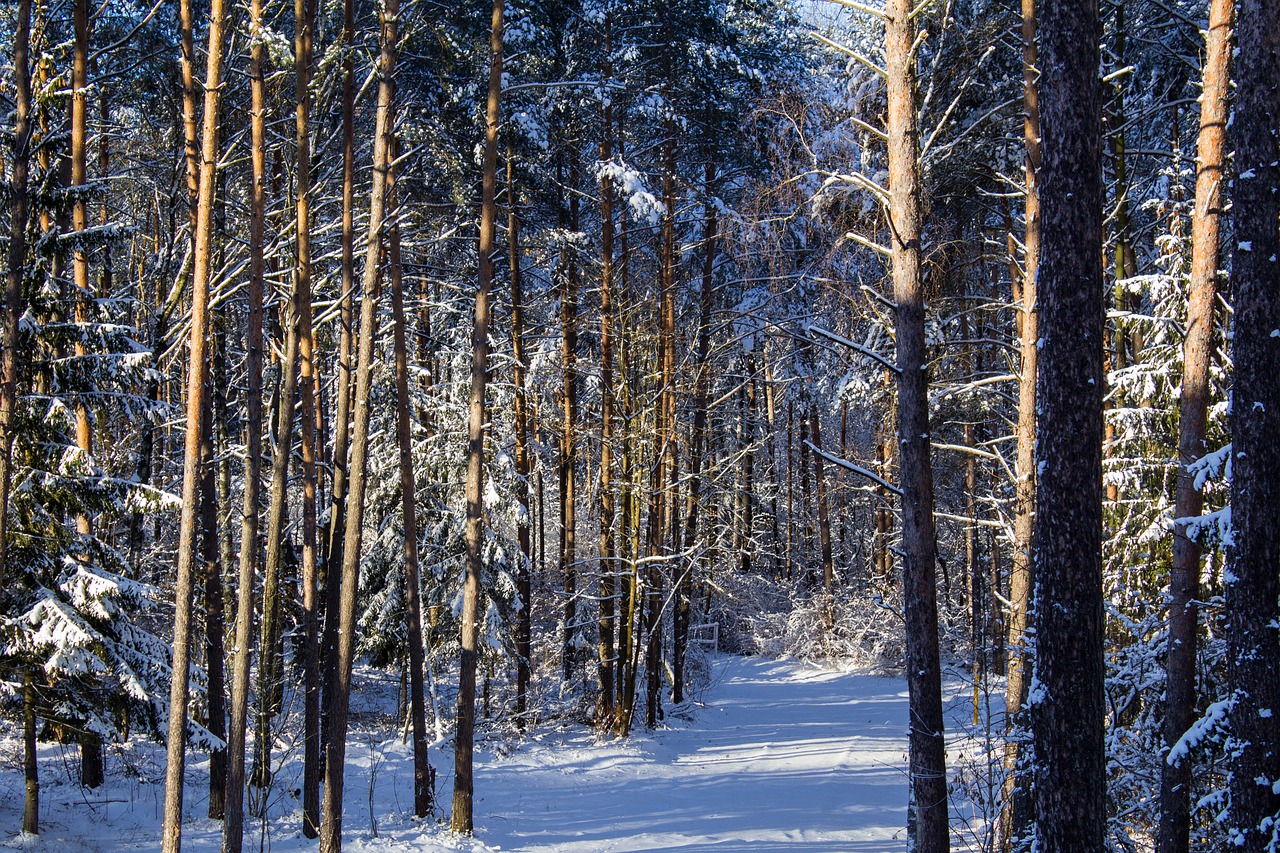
(780, 757)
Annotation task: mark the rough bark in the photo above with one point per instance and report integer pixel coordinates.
(342, 415)
(463, 792)
(408, 488)
(16, 261)
(1016, 814)
(1253, 644)
(1173, 835)
(1070, 774)
(197, 375)
(242, 649)
(304, 15)
(336, 746)
(926, 746)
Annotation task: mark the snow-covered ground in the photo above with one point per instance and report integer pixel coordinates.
(776, 756)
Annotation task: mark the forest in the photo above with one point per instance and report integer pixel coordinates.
(517, 353)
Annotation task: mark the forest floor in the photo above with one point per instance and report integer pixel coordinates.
(771, 756)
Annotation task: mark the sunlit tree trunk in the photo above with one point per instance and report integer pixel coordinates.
(197, 376)
(16, 260)
(927, 749)
(1016, 815)
(463, 791)
(304, 16)
(242, 649)
(336, 746)
(1197, 354)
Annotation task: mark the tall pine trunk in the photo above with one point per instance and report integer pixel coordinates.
(524, 459)
(1016, 814)
(1253, 647)
(462, 820)
(336, 746)
(927, 749)
(197, 376)
(242, 650)
(408, 489)
(16, 260)
(1070, 775)
(1197, 354)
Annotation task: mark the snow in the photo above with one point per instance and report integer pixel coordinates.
(774, 755)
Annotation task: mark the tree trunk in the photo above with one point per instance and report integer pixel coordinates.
(13, 303)
(699, 442)
(568, 439)
(30, 759)
(463, 793)
(924, 681)
(606, 624)
(1197, 354)
(524, 461)
(1253, 648)
(304, 15)
(1016, 815)
(197, 376)
(242, 651)
(270, 665)
(342, 415)
(408, 488)
(215, 687)
(1070, 774)
(336, 747)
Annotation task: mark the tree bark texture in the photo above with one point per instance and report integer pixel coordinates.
(16, 260)
(463, 791)
(1253, 633)
(197, 376)
(1197, 353)
(1068, 716)
(408, 489)
(1016, 814)
(336, 746)
(242, 650)
(924, 679)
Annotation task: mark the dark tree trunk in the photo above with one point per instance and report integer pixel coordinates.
(408, 488)
(1253, 645)
(30, 760)
(1197, 354)
(213, 606)
(242, 650)
(699, 443)
(342, 416)
(1070, 773)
